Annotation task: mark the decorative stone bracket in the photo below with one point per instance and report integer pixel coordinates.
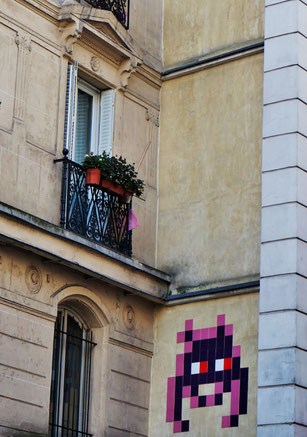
(125, 71)
(71, 32)
(72, 27)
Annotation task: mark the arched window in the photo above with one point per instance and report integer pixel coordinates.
(71, 376)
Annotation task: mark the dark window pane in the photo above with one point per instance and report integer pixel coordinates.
(83, 125)
(72, 380)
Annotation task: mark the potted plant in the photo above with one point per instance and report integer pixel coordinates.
(128, 178)
(110, 174)
(117, 176)
(91, 164)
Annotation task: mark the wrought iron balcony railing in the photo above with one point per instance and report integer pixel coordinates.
(120, 8)
(96, 215)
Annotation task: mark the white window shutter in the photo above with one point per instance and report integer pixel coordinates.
(71, 108)
(106, 121)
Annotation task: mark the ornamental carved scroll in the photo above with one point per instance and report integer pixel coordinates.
(126, 69)
(129, 317)
(33, 278)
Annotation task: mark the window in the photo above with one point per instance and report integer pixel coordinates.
(89, 117)
(71, 375)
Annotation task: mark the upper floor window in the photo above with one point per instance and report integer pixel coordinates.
(71, 375)
(89, 117)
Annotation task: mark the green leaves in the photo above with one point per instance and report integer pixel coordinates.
(116, 169)
(91, 161)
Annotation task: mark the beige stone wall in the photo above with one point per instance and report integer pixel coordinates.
(194, 29)
(32, 95)
(206, 421)
(210, 143)
(209, 174)
(145, 28)
(121, 361)
(26, 357)
(138, 141)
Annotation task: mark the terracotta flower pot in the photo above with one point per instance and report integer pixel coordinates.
(112, 187)
(93, 176)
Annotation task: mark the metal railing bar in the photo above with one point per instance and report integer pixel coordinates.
(74, 336)
(92, 212)
(119, 8)
(89, 381)
(72, 429)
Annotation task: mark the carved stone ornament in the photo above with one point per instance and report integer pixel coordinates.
(152, 116)
(23, 41)
(71, 33)
(95, 63)
(33, 279)
(126, 69)
(129, 317)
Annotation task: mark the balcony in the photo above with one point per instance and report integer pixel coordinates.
(92, 213)
(120, 8)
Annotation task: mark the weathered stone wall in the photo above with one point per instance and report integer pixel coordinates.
(37, 41)
(30, 291)
(36, 45)
(192, 30)
(209, 213)
(210, 144)
(209, 174)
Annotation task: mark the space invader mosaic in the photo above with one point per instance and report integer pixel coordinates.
(209, 358)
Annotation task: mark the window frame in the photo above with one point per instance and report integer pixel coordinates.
(56, 427)
(95, 115)
(99, 116)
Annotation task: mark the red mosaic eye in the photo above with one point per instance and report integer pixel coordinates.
(203, 368)
(227, 363)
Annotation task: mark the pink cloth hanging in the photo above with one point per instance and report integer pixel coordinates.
(133, 221)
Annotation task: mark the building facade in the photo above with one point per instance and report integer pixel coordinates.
(194, 323)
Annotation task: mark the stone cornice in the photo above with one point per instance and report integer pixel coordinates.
(64, 247)
(210, 60)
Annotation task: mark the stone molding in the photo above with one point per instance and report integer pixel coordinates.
(153, 117)
(76, 26)
(131, 347)
(23, 41)
(83, 255)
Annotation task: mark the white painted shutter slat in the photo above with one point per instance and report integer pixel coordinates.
(83, 126)
(106, 121)
(71, 108)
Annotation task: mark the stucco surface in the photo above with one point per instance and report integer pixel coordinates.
(8, 51)
(195, 28)
(146, 29)
(121, 360)
(242, 312)
(209, 173)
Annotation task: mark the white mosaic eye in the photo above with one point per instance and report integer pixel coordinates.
(219, 365)
(195, 368)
